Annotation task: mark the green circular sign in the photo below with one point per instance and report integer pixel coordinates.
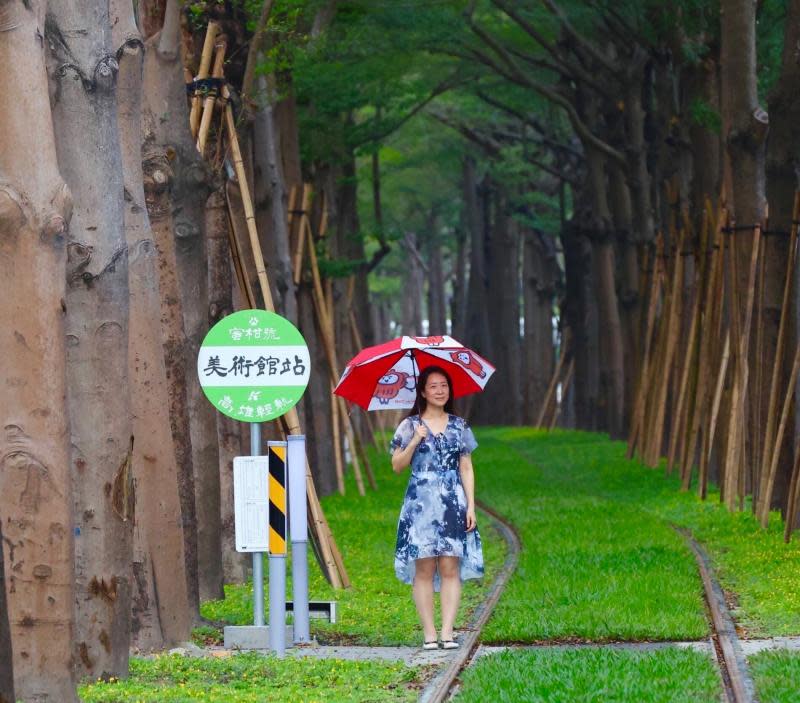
(254, 365)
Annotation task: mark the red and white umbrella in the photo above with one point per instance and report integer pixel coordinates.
(384, 377)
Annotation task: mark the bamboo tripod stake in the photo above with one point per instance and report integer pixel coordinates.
(327, 544)
(211, 98)
(205, 63)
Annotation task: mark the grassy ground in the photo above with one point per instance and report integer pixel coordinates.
(252, 678)
(378, 609)
(601, 560)
(777, 676)
(588, 676)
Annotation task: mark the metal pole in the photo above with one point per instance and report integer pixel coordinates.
(277, 603)
(277, 452)
(298, 530)
(258, 563)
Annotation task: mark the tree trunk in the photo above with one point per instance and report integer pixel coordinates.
(504, 394)
(782, 164)
(437, 311)
(158, 617)
(6, 663)
(414, 278)
(476, 330)
(580, 312)
(220, 304)
(170, 170)
(35, 491)
(458, 307)
(538, 292)
(85, 122)
(744, 129)
(271, 184)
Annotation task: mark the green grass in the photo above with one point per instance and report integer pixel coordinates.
(591, 675)
(600, 558)
(776, 675)
(378, 609)
(252, 678)
(596, 565)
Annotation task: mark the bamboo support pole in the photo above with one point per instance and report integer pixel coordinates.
(211, 98)
(238, 264)
(564, 388)
(734, 471)
(337, 443)
(247, 202)
(636, 443)
(326, 327)
(551, 389)
(301, 239)
(791, 503)
(724, 362)
(787, 404)
(705, 352)
(205, 64)
(656, 430)
(336, 575)
(767, 478)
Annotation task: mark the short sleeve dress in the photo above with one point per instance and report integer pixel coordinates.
(433, 517)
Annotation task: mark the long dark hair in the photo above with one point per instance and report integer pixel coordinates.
(420, 404)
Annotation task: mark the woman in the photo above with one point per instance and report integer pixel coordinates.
(438, 544)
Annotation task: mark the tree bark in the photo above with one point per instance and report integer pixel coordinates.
(171, 168)
(6, 663)
(476, 330)
(84, 72)
(458, 306)
(160, 614)
(271, 184)
(437, 311)
(538, 293)
(782, 168)
(35, 487)
(504, 394)
(220, 304)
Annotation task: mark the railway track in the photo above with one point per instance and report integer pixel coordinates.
(443, 685)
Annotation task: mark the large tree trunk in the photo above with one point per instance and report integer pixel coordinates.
(504, 394)
(160, 614)
(171, 170)
(84, 74)
(458, 306)
(744, 129)
(35, 491)
(538, 292)
(437, 310)
(220, 304)
(782, 168)
(476, 329)
(6, 663)
(271, 186)
(612, 376)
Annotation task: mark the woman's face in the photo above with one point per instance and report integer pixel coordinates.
(437, 391)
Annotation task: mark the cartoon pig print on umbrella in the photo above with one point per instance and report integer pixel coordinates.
(390, 385)
(431, 341)
(469, 362)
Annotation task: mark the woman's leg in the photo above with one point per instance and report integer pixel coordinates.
(423, 595)
(450, 593)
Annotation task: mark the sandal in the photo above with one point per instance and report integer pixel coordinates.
(433, 644)
(450, 644)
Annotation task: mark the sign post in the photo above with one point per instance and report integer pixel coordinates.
(254, 367)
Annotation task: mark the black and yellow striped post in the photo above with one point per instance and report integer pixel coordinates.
(276, 452)
(277, 498)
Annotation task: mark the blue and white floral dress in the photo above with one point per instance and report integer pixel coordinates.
(433, 517)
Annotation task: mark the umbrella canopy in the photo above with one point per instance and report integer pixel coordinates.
(384, 377)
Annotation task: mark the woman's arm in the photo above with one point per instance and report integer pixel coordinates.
(468, 481)
(402, 458)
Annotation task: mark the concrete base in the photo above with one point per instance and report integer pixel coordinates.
(252, 637)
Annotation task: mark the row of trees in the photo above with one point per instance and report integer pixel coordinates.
(482, 165)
